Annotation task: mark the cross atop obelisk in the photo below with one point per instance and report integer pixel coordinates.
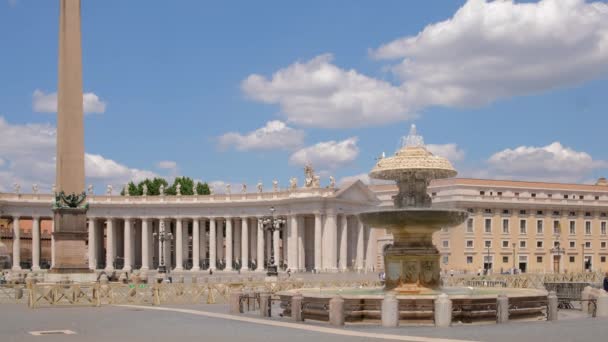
(70, 125)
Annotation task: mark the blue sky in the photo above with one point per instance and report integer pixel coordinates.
(492, 86)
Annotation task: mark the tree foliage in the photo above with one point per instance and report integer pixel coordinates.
(187, 187)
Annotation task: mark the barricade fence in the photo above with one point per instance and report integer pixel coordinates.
(526, 280)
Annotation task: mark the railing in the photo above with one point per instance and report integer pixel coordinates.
(527, 280)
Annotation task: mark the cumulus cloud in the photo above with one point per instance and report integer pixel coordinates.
(552, 162)
(491, 50)
(327, 155)
(451, 152)
(274, 135)
(486, 51)
(167, 164)
(47, 103)
(318, 93)
(28, 155)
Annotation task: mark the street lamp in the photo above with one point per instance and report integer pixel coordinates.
(272, 224)
(558, 250)
(514, 244)
(162, 237)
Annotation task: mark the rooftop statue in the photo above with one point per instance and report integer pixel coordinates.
(109, 190)
(260, 187)
(309, 176)
(275, 185)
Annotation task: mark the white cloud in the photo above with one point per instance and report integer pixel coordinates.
(318, 93)
(451, 152)
(47, 103)
(364, 177)
(167, 164)
(327, 155)
(553, 162)
(274, 135)
(28, 154)
(498, 49)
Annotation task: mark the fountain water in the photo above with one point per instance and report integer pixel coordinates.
(412, 261)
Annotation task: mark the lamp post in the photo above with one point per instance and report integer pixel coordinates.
(272, 224)
(162, 236)
(488, 261)
(558, 250)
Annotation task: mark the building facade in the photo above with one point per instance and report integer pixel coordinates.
(530, 226)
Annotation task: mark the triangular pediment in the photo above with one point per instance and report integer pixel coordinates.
(357, 191)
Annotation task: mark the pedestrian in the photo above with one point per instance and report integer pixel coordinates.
(606, 282)
(210, 271)
(289, 272)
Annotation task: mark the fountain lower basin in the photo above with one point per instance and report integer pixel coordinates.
(412, 261)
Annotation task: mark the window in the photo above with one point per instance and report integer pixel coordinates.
(539, 259)
(470, 225)
(487, 211)
(602, 258)
(555, 243)
(565, 196)
(481, 193)
(581, 197)
(488, 226)
(522, 212)
(522, 244)
(505, 259)
(556, 228)
(506, 212)
(505, 243)
(469, 243)
(587, 244)
(597, 198)
(572, 259)
(572, 213)
(603, 214)
(549, 195)
(572, 244)
(539, 227)
(539, 244)
(487, 243)
(505, 226)
(572, 228)
(533, 195)
(434, 194)
(588, 214)
(516, 194)
(603, 244)
(587, 227)
(445, 243)
(522, 227)
(603, 228)
(539, 213)
(445, 259)
(469, 259)
(499, 193)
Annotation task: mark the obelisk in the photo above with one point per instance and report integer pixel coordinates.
(70, 205)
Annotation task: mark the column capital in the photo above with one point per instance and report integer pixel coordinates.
(36, 217)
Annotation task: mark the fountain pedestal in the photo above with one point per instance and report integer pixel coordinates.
(411, 270)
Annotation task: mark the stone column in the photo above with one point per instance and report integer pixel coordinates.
(318, 242)
(203, 240)
(552, 304)
(109, 245)
(220, 240)
(502, 309)
(179, 241)
(36, 243)
(301, 244)
(244, 243)
(292, 243)
(360, 249)
(92, 243)
(330, 253)
(261, 265)
(128, 234)
(276, 247)
(336, 311)
(145, 244)
(160, 228)
(236, 238)
(212, 244)
(296, 307)
(390, 311)
(16, 244)
(229, 244)
(196, 257)
(443, 311)
(343, 245)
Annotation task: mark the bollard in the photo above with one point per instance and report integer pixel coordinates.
(296, 308)
(390, 311)
(336, 311)
(552, 306)
(602, 304)
(502, 308)
(585, 296)
(235, 303)
(265, 305)
(443, 311)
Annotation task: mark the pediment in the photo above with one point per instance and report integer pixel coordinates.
(357, 191)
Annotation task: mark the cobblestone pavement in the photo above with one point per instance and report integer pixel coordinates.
(210, 323)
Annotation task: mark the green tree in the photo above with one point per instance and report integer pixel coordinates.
(202, 188)
(186, 183)
(132, 188)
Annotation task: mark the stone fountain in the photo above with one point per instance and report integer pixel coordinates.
(412, 261)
